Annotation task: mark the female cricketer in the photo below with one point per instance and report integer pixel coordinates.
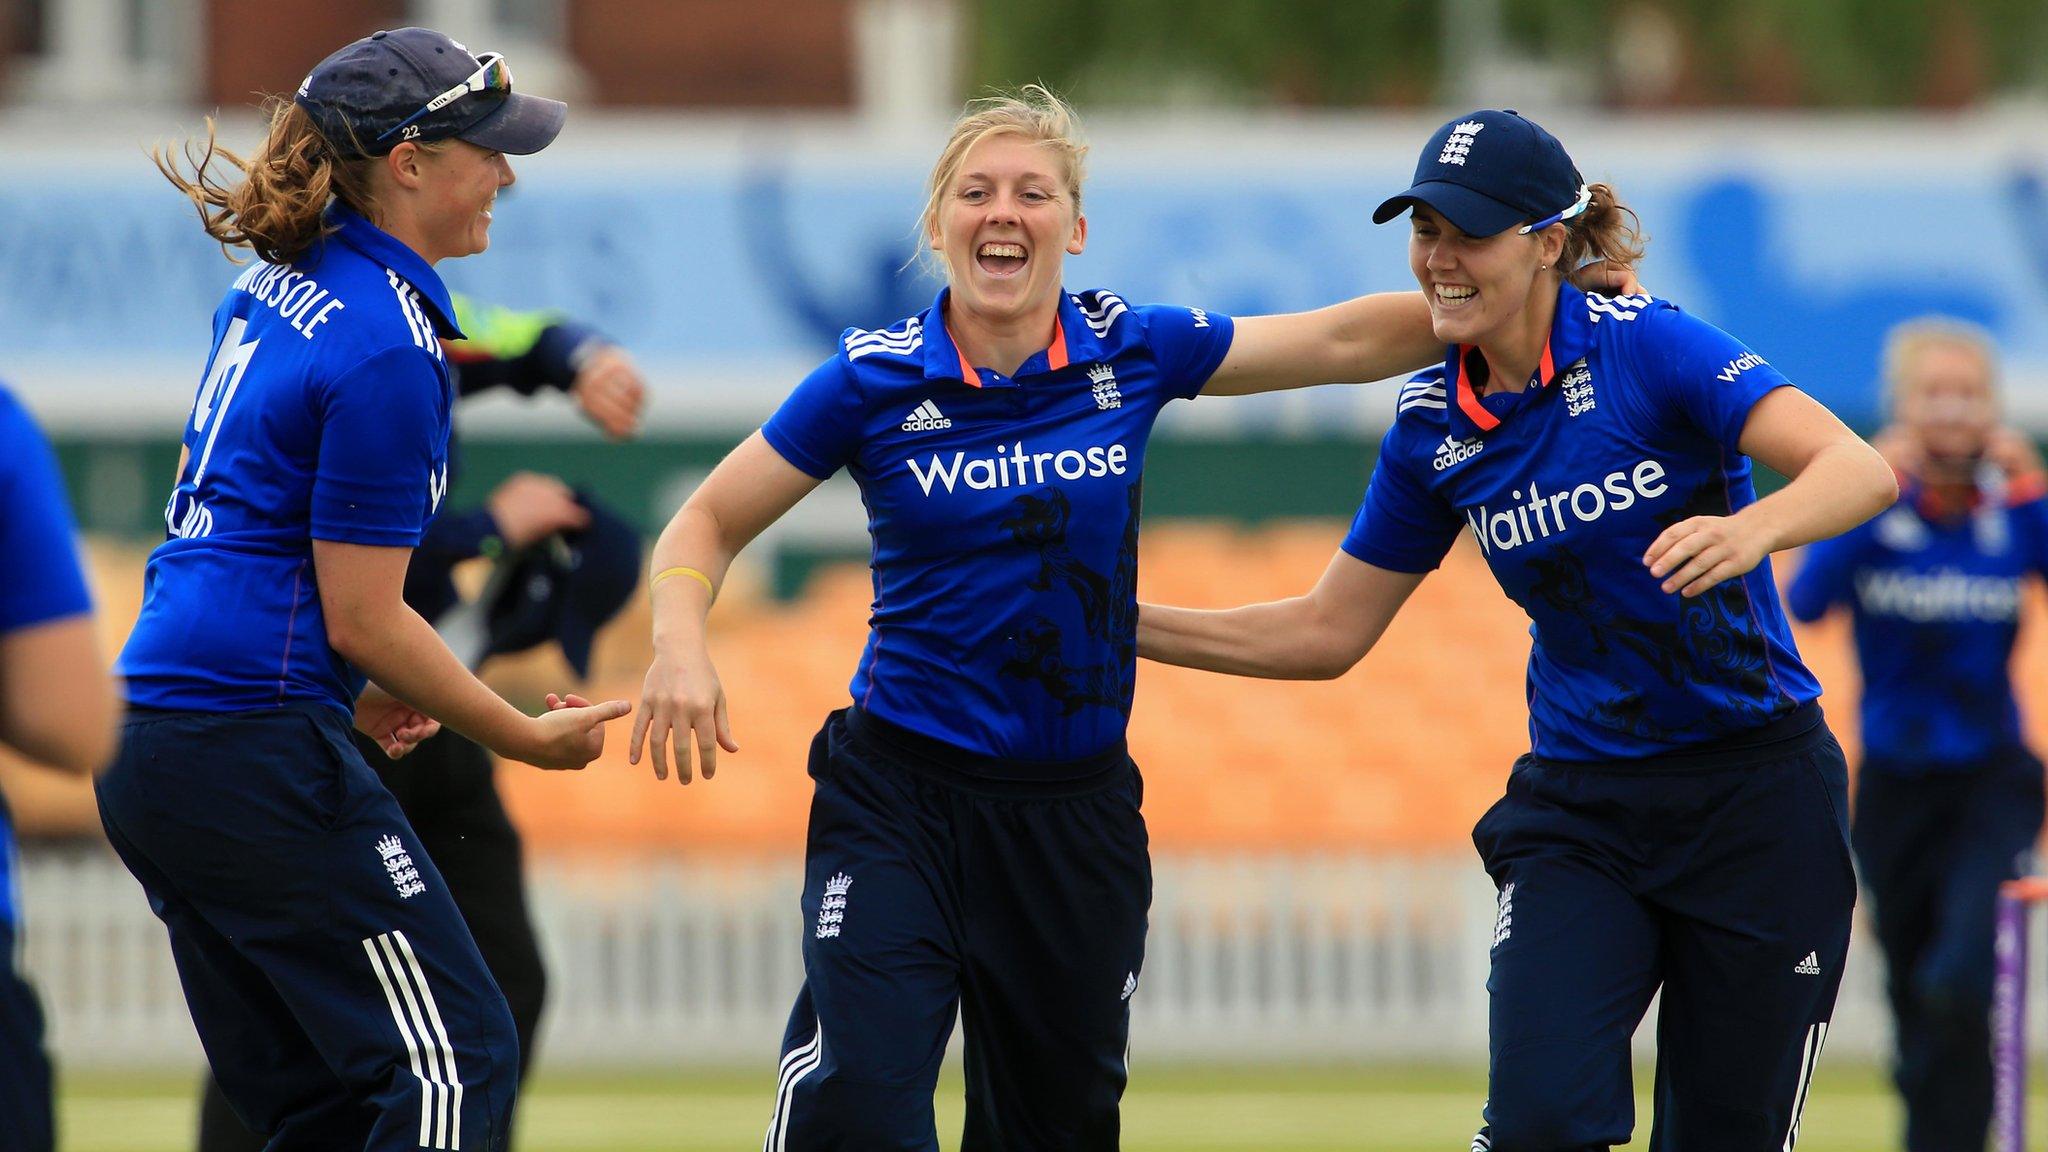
(1679, 820)
(48, 652)
(1948, 797)
(975, 838)
(338, 995)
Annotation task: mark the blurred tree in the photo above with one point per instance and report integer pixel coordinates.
(1770, 53)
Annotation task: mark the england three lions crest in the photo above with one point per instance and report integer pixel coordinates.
(1578, 390)
(832, 909)
(1102, 381)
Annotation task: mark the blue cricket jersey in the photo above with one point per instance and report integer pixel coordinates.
(1004, 515)
(1936, 604)
(41, 580)
(1630, 425)
(322, 415)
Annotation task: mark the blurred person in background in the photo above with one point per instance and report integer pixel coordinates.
(975, 836)
(57, 709)
(1680, 819)
(337, 992)
(447, 786)
(1948, 797)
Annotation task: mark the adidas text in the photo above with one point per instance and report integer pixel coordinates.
(1452, 452)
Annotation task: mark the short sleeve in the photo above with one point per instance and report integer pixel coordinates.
(819, 427)
(1693, 369)
(1401, 525)
(1826, 570)
(1187, 345)
(40, 577)
(2029, 514)
(383, 435)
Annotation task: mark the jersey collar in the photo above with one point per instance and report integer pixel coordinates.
(1935, 508)
(1073, 342)
(1571, 337)
(356, 231)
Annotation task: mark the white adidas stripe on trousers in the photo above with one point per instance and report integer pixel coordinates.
(426, 1038)
(1816, 1036)
(801, 1062)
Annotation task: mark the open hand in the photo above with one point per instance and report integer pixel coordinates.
(682, 704)
(1693, 555)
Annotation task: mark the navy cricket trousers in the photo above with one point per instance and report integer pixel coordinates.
(26, 1121)
(333, 985)
(1721, 876)
(936, 882)
(1934, 847)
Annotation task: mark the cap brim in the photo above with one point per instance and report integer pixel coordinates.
(1474, 213)
(521, 126)
(575, 634)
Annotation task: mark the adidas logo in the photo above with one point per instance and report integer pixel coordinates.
(1452, 452)
(926, 418)
(1130, 985)
(1809, 966)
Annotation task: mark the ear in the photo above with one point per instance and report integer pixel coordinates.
(1552, 240)
(1079, 239)
(403, 163)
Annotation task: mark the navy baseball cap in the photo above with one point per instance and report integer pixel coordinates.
(1489, 170)
(416, 84)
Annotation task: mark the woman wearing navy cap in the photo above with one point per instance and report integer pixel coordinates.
(340, 999)
(975, 840)
(1679, 820)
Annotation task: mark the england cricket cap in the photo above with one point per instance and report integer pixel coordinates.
(417, 84)
(1488, 171)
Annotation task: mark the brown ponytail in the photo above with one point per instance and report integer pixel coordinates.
(1607, 230)
(276, 207)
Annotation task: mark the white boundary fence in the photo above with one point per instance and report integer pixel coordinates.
(679, 960)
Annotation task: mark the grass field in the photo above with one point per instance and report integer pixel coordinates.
(1374, 1109)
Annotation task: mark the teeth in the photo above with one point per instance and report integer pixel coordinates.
(1013, 250)
(1446, 292)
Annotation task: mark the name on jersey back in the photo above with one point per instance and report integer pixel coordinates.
(298, 299)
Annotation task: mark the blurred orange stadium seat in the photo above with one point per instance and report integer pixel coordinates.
(1401, 754)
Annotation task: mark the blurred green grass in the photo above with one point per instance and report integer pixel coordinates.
(1377, 1108)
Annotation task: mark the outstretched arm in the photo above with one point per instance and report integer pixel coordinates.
(1318, 636)
(371, 626)
(1837, 482)
(682, 701)
(1361, 339)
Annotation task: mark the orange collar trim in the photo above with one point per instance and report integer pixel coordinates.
(1056, 356)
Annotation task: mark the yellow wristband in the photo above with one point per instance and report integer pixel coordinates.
(692, 573)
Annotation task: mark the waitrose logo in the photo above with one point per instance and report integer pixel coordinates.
(1014, 466)
(1537, 515)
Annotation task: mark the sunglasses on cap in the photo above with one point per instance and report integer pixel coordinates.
(492, 75)
(1579, 205)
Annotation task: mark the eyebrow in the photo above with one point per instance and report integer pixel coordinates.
(1024, 176)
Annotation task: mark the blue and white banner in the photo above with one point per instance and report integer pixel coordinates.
(728, 261)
